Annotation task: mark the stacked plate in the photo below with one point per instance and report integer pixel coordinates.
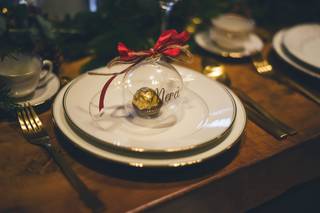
(213, 120)
(300, 47)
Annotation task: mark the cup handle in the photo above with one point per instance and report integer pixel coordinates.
(47, 67)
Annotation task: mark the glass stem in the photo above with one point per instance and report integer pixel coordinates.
(165, 18)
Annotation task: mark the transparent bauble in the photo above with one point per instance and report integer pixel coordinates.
(152, 94)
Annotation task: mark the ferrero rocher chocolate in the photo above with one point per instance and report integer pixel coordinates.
(146, 102)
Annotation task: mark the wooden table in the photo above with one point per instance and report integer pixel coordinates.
(260, 169)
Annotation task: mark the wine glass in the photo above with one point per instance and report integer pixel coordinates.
(166, 8)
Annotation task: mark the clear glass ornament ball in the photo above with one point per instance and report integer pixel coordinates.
(160, 79)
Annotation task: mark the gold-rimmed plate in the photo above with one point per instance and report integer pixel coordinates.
(278, 47)
(207, 114)
(192, 158)
(303, 43)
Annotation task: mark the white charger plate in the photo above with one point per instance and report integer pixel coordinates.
(208, 112)
(253, 45)
(303, 42)
(277, 46)
(230, 140)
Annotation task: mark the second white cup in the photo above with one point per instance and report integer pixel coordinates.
(231, 31)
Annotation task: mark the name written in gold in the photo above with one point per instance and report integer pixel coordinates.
(166, 97)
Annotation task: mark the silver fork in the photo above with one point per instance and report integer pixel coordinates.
(33, 130)
(264, 68)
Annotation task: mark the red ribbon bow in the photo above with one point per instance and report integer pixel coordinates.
(170, 43)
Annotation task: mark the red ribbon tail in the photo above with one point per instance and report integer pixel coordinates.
(103, 92)
(107, 84)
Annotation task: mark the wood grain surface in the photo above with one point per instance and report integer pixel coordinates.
(257, 170)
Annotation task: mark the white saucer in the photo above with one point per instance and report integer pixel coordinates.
(253, 45)
(303, 43)
(277, 46)
(208, 112)
(43, 93)
(227, 143)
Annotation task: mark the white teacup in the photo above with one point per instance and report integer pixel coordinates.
(231, 31)
(24, 73)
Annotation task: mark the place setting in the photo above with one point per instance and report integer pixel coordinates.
(150, 113)
(141, 111)
(165, 106)
(232, 36)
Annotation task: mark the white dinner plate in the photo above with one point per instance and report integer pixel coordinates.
(253, 45)
(43, 93)
(208, 112)
(136, 161)
(303, 42)
(277, 46)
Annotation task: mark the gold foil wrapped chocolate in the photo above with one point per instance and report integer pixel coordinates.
(146, 103)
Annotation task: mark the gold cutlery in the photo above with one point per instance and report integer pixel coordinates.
(264, 68)
(252, 104)
(255, 112)
(33, 130)
(261, 64)
(264, 123)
